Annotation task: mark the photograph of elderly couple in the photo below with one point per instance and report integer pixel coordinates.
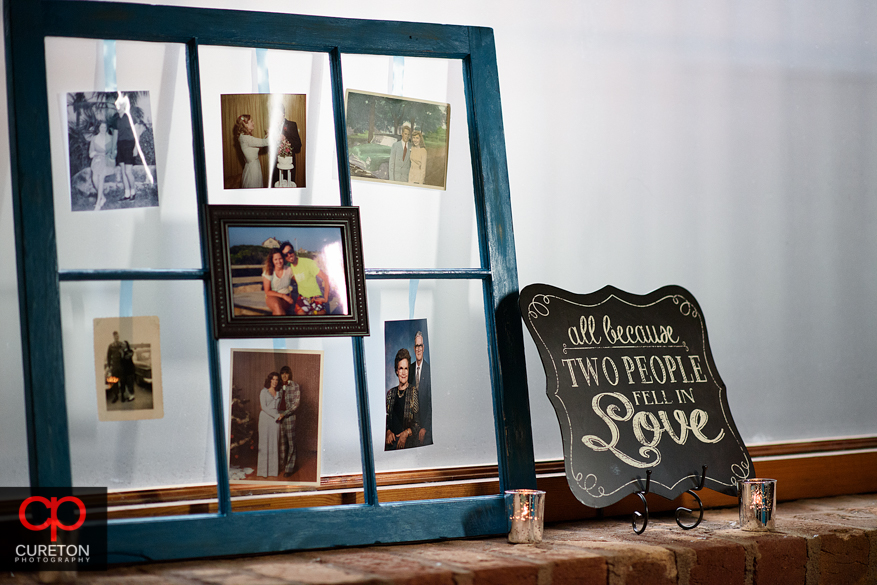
(279, 270)
(409, 398)
(263, 140)
(397, 140)
(274, 430)
(111, 150)
(127, 365)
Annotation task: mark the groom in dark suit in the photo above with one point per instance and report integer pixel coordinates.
(420, 374)
(290, 132)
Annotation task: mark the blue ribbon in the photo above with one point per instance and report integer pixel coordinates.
(109, 50)
(126, 298)
(126, 287)
(262, 71)
(412, 295)
(398, 75)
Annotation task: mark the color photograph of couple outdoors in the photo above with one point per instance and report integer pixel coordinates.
(397, 140)
(291, 271)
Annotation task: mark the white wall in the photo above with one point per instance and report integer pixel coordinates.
(727, 147)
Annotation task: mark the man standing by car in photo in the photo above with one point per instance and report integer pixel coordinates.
(113, 365)
(400, 157)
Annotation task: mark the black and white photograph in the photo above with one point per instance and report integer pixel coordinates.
(127, 366)
(263, 140)
(111, 148)
(397, 140)
(274, 424)
(409, 385)
(280, 271)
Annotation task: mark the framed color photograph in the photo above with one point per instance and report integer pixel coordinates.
(263, 140)
(398, 140)
(127, 368)
(111, 150)
(408, 380)
(274, 424)
(287, 271)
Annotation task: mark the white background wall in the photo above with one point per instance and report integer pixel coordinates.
(727, 147)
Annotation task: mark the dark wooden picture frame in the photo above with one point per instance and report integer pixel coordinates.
(346, 309)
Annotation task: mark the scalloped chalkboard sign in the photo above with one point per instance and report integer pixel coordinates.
(635, 389)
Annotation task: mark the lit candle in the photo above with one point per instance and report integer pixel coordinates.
(757, 503)
(526, 514)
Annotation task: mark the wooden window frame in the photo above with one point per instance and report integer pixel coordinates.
(217, 529)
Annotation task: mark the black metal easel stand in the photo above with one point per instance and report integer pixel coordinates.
(681, 509)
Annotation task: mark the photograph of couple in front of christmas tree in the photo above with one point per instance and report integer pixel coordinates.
(274, 430)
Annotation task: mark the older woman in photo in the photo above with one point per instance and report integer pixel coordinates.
(269, 430)
(277, 283)
(403, 410)
(418, 159)
(99, 149)
(249, 145)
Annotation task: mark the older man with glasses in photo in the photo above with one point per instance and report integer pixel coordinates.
(422, 381)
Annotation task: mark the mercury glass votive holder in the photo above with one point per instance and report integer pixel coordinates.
(758, 502)
(526, 512)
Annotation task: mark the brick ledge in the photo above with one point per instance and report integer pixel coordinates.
(822, 541)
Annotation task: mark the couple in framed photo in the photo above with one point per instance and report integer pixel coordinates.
(295, 285)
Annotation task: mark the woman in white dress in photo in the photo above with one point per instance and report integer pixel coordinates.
(418, 159)
(250, 145)
(269, 430)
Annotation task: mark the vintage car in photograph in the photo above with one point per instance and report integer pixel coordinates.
(143, 367)
(372, 159)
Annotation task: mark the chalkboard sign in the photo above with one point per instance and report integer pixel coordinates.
(635, 388)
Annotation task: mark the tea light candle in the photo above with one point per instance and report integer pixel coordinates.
(526, 509)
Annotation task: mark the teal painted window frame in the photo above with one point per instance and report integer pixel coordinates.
(27, 24)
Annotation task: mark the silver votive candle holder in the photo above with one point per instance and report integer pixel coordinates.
(526, 512)
(758, 503)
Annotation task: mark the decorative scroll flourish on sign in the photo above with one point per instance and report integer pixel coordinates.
(635, 389)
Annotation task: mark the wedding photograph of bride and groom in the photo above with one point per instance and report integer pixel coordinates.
(263, 140)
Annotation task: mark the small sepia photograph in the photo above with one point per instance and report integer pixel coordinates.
(397, 140)
(111, 148)
(275, 406)
(407, 377)
(286, 270)
(127, 367)
(263, 140)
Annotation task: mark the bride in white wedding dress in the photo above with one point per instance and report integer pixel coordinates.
(250, 145)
